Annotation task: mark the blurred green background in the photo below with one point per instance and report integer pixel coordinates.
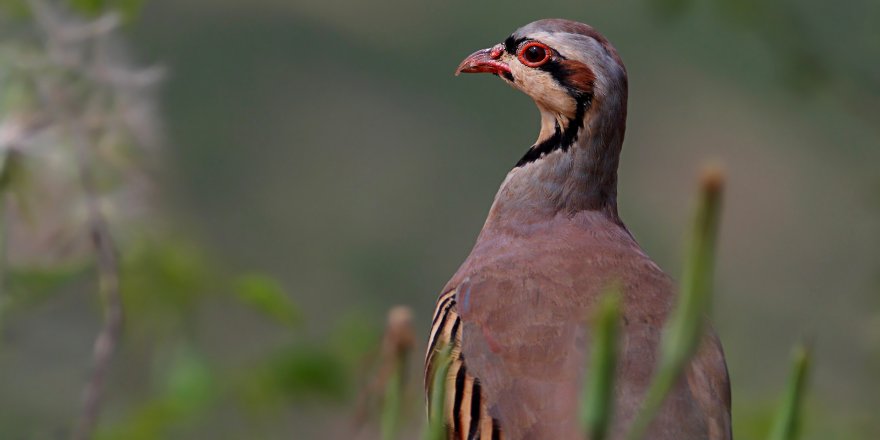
(321, 164)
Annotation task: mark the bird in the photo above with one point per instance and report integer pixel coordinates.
(515, 314)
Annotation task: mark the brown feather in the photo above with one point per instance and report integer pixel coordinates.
(578, 75)
(463, 390)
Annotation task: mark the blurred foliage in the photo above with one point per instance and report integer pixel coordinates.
(28, 285)
(794, 40)
(165, 278)
(66, 95)
(300, 372)
(166, 284)
(128, 8)
(265, 295)
(188, 390)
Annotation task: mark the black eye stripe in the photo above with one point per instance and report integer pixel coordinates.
(511, 43)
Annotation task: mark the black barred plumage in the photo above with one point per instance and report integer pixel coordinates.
(456, 398)
(466, 413)
(476, 408)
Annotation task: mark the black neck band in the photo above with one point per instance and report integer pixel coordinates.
(561, 139)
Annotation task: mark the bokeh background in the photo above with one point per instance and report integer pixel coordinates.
(319, 164)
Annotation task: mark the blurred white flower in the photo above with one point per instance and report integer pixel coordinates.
(78, 123)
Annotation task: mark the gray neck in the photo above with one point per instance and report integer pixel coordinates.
(568, 179)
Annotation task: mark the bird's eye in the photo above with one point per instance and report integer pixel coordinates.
(534, 54)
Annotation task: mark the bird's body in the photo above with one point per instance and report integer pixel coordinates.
(516, 312)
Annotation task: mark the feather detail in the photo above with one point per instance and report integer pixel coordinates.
(466, 411)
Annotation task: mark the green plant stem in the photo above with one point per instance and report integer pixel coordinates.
(107, 263)
(392, 401)
(436, 423)
(684, 329)
(598, 400)
(787, 423)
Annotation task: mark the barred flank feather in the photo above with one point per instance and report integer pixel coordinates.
(465, 411)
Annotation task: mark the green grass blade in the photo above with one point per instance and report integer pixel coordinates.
(390, 421)
(683, 331)
(787, 423)
(436, 423)
(597, 394)
(397, 344)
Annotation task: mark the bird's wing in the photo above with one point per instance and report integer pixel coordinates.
(526, 346)
(465, 408)
(709, 384)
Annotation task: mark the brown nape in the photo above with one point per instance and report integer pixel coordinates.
(578, 76)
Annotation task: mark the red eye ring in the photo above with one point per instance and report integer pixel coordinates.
(531, 57)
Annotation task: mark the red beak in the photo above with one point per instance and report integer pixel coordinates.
(484, 60)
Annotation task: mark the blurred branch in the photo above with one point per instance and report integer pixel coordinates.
(389, 381)
(93, 107)
(108, 338)
(398, 343)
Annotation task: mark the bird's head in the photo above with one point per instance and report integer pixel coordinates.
(579, 83)
(567, 67)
